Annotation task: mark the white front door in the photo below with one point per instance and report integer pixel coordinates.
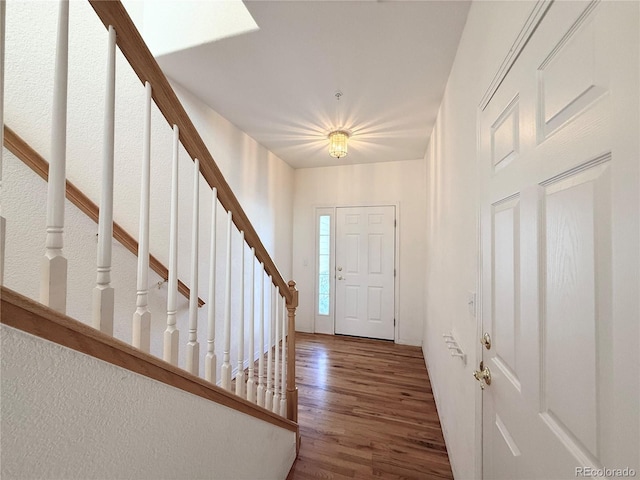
(365, 262)
(559, 223)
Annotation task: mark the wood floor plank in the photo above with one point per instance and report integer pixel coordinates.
(366, 410)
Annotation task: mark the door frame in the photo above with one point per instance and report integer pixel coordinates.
(331, 210)
(538, 11)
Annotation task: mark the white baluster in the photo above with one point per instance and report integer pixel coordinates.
(2, 220)
(251, 384)
(53, 280)
(211, 361)
(283, 379)
(240, 373)
(276, 352)
(268, 400)
(193, 347)
(225, 372)
(261, 392)
(103, 294)
(141, 336)
(171, 334)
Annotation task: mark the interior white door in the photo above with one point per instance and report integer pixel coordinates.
(365, 262)
(559, 227)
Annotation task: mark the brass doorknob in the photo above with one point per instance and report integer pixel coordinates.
(483, 375)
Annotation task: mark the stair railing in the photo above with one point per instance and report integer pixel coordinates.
(277, 394)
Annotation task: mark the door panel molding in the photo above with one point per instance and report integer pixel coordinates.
(369, 230)
(555, 358)
(535, 17)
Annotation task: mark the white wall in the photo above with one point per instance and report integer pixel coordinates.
(261, 181)
(72, 416)
(451, 225)
(401, 183)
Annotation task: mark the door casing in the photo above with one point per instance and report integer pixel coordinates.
(538, 11)
(331, 210)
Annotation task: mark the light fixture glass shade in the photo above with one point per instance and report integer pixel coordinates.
(338, 144)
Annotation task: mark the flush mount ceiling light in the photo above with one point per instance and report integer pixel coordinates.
(338, 139)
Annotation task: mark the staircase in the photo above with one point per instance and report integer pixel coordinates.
(106, 371)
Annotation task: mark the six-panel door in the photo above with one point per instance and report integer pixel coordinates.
(365, 252)
(553, 250)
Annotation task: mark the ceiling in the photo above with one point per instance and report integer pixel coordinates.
(390, 60)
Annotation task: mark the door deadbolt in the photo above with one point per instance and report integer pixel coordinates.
(486, 341)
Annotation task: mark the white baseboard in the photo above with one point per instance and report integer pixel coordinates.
(442, 425)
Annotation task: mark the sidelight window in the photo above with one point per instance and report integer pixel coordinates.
(324, 262)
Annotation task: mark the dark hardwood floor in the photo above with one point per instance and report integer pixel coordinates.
(366, 411)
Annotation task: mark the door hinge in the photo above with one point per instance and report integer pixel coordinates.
(394, 322)
(394, 272)
(395, 223)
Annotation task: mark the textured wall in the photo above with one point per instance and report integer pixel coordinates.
(24, 197)
(68, 415)
(261, 181)
(45, 438)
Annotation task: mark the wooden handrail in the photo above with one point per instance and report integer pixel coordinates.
(135, 50)
(36, 319)
(21, 149)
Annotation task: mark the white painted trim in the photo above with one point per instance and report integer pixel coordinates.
(396, 260)
(434, 391)
(396, 278)
(479, 306)
(331, 211)
(535, 17)
(2, 219)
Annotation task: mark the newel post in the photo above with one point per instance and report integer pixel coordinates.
(292, 390)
